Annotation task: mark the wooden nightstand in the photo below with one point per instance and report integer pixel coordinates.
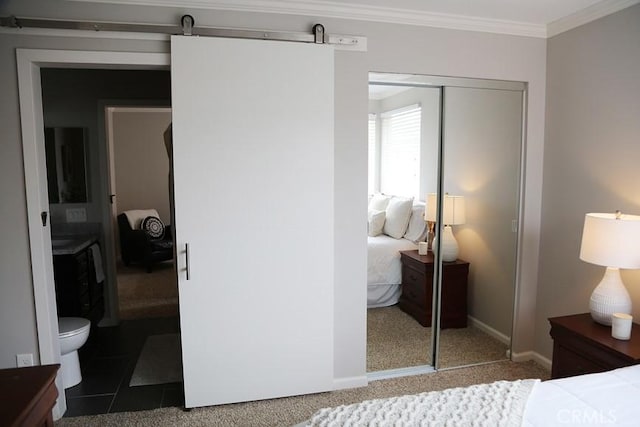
(582, 346)
(417, 282)
(28, 395)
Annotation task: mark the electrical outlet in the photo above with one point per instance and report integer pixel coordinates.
(76, 215)
(23, 360)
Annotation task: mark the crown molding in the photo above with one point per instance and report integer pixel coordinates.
(391, 15)
(587, 15)
(329, 9)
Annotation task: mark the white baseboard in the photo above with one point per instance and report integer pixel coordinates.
(532, 355)
(475, 323)
(516, 357)
(400, 372)
(350, 382)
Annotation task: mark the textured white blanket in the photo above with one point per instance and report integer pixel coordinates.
(501, 403)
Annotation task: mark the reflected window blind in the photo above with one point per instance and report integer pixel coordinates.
(372, 154)
(400, 152)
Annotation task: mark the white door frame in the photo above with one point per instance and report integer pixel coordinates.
(29, 63)
(109, 111)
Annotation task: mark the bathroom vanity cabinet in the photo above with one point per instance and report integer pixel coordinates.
(78, 294)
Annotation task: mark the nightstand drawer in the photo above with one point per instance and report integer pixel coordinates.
(417, 264)
(413, 285)
(412, 276)
(568, 364)
(417, 289)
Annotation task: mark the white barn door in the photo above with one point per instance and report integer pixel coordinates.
(253, 179)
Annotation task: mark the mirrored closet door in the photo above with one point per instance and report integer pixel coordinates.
(482, 141)
(454, 143)
(404, 130)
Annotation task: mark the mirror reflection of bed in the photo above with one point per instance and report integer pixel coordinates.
(480, 160)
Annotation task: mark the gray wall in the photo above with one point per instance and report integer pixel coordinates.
(391, 48)
(141, 161)
(592, 150)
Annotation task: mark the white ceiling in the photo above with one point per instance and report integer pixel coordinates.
(534, 18)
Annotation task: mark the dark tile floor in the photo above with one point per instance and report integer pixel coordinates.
(107, 362)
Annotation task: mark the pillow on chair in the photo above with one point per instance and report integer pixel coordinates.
(136, 216)
(153, 227)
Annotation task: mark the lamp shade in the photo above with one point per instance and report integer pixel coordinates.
(452, 213)
(611, 240)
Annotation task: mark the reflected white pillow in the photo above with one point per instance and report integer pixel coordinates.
(376, 222)
(379, 202)
(417, 229)
(398, 213)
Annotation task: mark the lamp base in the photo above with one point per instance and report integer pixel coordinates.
(448, 246)
(610, 296)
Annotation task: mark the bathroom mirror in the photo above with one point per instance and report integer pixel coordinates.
(66, 164)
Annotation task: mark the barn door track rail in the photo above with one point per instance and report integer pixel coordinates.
(187, 27)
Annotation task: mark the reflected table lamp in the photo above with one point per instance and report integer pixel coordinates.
(453, 213)
(612, 241)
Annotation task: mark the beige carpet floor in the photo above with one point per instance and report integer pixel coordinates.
(396, 340)
(144, 295)
(292, 410)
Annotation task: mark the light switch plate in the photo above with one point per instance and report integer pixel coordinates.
(23, 360)
(76, 215)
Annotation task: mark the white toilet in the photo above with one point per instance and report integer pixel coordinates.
(73, 333)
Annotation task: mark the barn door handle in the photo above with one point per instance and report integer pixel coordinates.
(186, 253)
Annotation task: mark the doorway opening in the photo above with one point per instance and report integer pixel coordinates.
(124, 114)
(139, 168)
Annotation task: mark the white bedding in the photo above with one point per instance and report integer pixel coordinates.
(384, 271)
(499, 404)
(609, 398)
(605, 399)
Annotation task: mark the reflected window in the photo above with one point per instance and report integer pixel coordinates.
(400, 151)
(373, 155)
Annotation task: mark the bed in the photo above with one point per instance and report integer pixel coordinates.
(607, 398)
(384, 270)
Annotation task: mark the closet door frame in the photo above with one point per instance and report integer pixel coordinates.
(442, 83)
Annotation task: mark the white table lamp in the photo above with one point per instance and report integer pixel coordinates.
(612, 241)
(453, 213)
